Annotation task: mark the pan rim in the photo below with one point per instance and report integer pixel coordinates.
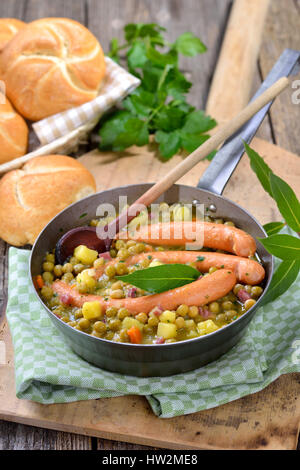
(118, 345)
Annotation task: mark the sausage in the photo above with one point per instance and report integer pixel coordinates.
(216, 236)
(245, 270)
(200, 292)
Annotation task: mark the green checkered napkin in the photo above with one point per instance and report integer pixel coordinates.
(47, 370)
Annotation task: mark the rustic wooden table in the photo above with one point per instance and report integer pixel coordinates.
(207, 18)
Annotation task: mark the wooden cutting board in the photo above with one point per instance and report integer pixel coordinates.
(265, 420)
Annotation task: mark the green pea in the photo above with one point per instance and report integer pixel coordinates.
(48, 266)
(121, 269)
(78, 314)
(99, 326)
(230, 314)
(48, 277)
(142, 317)
(114, 325)
(256, 291)
(182, 310)
(229, 223)
(110, 271)
(227, 305)
(249, 303)
(111, 312)
(67, 268)
(67, 277)
(124, 336)
(84, 324)
(221, 317)
(50, 257)
(123, 254)
(58, 270)
(214, 307)
(153, 321)
(46, 292)
(78, 268)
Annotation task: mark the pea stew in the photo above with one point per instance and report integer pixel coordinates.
(92, 277)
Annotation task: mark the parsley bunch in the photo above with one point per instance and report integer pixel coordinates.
(158, 106)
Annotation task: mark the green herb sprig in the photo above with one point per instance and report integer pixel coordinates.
(161, 278)
(284, 246)
(158, 106)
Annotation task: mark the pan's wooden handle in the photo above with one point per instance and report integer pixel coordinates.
(226, 131)
(231, 86)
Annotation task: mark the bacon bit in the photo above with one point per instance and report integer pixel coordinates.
(132, 292)
(66, 299)
(105, 255)
(159, 340)
(157, 311)
(243, 295)
(204, 312)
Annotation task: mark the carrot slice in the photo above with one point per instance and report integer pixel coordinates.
(135, 335)
(39, 281)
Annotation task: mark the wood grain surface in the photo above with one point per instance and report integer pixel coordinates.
(282, 30)
(264, 420)
(207, 18)
(237, 61)
(267, 420)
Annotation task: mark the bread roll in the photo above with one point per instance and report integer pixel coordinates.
(8, 29)
(31, 197)
(13, 132)
(51, 65)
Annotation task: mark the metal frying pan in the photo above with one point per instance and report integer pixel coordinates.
(174, 358)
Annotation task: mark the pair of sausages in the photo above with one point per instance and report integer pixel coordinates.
(246, 270)
(200, 292)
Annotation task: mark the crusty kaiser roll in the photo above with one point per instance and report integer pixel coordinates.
(8, 29)
(30, 197)
(51, 65)
(13, 132)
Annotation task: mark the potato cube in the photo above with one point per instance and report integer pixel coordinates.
(192, 334)
(167, 330)
(205, 327)
(85, 278)
(128, 322)
(167, 316)
(85, 255)
(91, 310)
